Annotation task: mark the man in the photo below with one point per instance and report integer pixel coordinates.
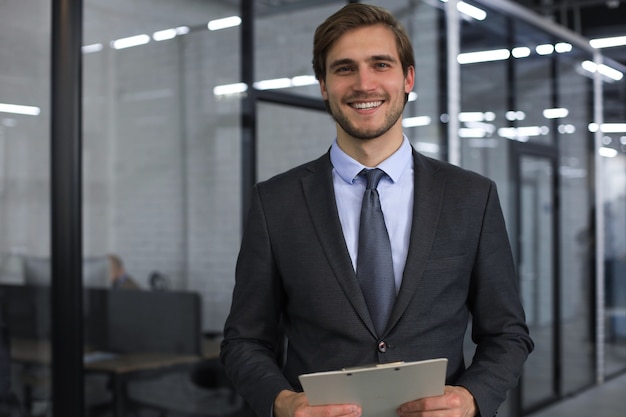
(118, 276)
(297, 268)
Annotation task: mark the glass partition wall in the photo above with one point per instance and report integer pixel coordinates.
(612, 174)
(25, 268)
(527, 113)
(162, 191)
(186, 104)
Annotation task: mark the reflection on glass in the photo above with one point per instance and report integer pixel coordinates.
(572, 113)
(25, 323)
(536, 271)
(615, 264)
(161, 191)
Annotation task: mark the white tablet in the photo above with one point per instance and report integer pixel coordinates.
(379, 389)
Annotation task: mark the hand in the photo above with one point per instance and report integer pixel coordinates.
(455, 402)
(295, 404)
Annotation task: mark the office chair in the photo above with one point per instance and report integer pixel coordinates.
(10, 405)
(202, 391)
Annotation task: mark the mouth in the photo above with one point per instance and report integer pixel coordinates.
(367, 105)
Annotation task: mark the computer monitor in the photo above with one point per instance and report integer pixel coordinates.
(37, 271)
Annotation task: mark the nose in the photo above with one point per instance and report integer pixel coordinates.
(365, 80)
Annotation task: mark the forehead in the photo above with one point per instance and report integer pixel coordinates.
(364, 42)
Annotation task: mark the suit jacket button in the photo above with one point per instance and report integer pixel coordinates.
(382, 347)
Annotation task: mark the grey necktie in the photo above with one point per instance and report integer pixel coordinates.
(374, 263)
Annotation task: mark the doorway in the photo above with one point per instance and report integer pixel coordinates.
(534, 171)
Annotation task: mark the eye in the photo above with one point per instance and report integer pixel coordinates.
(344, 69)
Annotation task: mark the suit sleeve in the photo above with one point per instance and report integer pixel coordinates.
(252, 333)
(498, 327)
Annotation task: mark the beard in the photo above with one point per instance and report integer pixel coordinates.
(365, 133)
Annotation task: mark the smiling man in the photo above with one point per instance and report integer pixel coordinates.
(441, 255)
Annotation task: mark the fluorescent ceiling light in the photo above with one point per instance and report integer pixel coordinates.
(485, 127)
(608, 127)
(237, 88)
(477, 116)
(563, 47)
(545, 49)
(130, 41)
(556, 113)
(589, 66)
(164, 35)
(568, 128)
(515, 115)
(471, 116)
(608, 42)
(605, 70)
(94, 47)
(469, 10)
(273, 84)
(523, 133)
(416, 121)
(610, 72)
(520, 52)
(229, 89)
(182, 30)
(607, 152)
(302, 80)
(19, 109)
(472, 132)
(483, 56)
(227, 22)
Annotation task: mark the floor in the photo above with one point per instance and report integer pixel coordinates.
(605, 400)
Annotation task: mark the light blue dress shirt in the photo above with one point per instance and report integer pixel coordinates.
(396, 199)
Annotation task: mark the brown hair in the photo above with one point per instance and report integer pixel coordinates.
(353, 16)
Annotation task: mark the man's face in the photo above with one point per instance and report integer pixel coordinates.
(365, 87)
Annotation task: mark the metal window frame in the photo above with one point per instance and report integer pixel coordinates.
(66, 208)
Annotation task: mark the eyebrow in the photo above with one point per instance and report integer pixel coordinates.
(373, 58)
(383, 57)
(340, 62)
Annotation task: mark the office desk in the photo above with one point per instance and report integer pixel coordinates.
(126, 366)
(149, 331)
(119, 368)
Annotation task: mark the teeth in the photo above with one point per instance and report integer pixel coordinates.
(368, 105)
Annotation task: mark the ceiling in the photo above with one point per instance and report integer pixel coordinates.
(590, 18)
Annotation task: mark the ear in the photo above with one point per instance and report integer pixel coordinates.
(409, 80)
(323, 90)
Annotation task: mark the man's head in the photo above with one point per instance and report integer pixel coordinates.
(365, 66)
(353, 16)
(116, 268)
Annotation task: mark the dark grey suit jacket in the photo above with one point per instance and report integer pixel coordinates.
(294, 274)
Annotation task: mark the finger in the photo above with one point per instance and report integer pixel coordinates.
(336, 410)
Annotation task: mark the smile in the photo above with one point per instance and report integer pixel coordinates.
(366, 105)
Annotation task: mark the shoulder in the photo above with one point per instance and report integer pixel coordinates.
(129, 283)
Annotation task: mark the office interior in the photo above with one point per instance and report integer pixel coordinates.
(184, 105)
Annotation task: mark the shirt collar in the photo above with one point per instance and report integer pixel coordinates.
(348, 168)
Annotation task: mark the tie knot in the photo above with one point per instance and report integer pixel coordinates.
(373, 176)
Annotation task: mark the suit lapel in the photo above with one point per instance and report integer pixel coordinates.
(427, 200)
(320, 199)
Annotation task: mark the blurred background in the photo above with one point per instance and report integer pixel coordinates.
(186, 104)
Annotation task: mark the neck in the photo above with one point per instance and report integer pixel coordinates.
(370, 152)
